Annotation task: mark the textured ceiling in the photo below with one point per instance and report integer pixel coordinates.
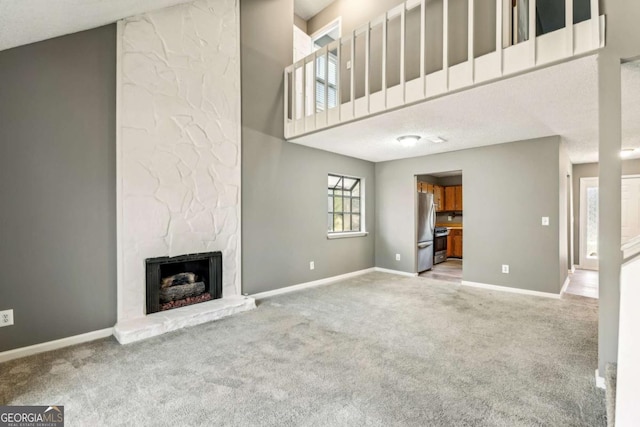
(306, 9)
(559, 100)
(28, 21)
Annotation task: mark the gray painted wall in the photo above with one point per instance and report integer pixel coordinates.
(354, 13)
(284, 195)
(520, 181)
(57, 157)
(450, 180)
(590, 170)
(300, 23)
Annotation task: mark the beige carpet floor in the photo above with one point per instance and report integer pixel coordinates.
(378, 350)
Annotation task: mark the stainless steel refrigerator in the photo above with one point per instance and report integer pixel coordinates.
(426, 227)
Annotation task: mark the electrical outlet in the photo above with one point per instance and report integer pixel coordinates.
(449, 218)
(6, 318)
(312, 265)
(505, 268)
(545, 220)
(397, 257)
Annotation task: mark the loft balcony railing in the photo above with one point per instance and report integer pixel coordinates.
(426, 48)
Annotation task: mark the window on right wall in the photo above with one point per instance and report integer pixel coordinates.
(345, 205)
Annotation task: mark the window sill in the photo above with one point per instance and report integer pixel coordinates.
(332, 236)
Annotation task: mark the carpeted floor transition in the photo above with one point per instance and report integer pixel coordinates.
(374, 350)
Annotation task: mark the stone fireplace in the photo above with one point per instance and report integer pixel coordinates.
(178, 162)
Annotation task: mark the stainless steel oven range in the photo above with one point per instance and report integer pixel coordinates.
(440, 245)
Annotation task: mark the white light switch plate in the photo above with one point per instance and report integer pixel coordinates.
(545, 220)
(312, 265)
(397, 257)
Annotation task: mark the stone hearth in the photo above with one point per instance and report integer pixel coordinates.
(166, 321)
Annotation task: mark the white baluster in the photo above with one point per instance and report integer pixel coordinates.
(470, 39)
(445, 41)
(532, 30)
(568, 4)
(367, 58)
(403, 33)
(499, 32)
(595, 23)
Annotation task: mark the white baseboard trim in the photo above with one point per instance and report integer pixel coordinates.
(312, 284)
(512, 290)
(17, 353)
(398, 272)
(600, 381)
(565, 285)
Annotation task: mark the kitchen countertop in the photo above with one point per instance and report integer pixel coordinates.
(450, 225)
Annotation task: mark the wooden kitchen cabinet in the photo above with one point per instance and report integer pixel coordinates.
(453, 198)
(458, 198)
(449, 198)
(454, 244)
(457, 244)
(444, 198)
(424, 187)
(438, 197)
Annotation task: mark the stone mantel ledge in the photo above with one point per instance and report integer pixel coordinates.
(155, 324)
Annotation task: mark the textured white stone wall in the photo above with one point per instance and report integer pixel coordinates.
(179, 142)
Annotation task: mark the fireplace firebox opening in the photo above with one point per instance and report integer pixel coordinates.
(174, 282)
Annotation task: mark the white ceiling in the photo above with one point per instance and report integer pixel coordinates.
(306, 9)
(28, 21)
(559, 100)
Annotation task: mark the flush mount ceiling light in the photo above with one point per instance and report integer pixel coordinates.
(628, 152)
(408, 140)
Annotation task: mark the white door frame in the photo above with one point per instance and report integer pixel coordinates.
(587, 263)
(335, 24)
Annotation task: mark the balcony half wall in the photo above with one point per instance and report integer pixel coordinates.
(423, 49)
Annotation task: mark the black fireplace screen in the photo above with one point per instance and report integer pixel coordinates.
(174, 282)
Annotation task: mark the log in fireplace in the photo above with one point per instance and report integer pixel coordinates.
(174, 282)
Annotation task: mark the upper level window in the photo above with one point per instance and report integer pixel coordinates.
(326, 81)
(326, 66)
(345, 202)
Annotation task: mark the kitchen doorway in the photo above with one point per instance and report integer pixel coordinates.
(589, 217)
(439, 226)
